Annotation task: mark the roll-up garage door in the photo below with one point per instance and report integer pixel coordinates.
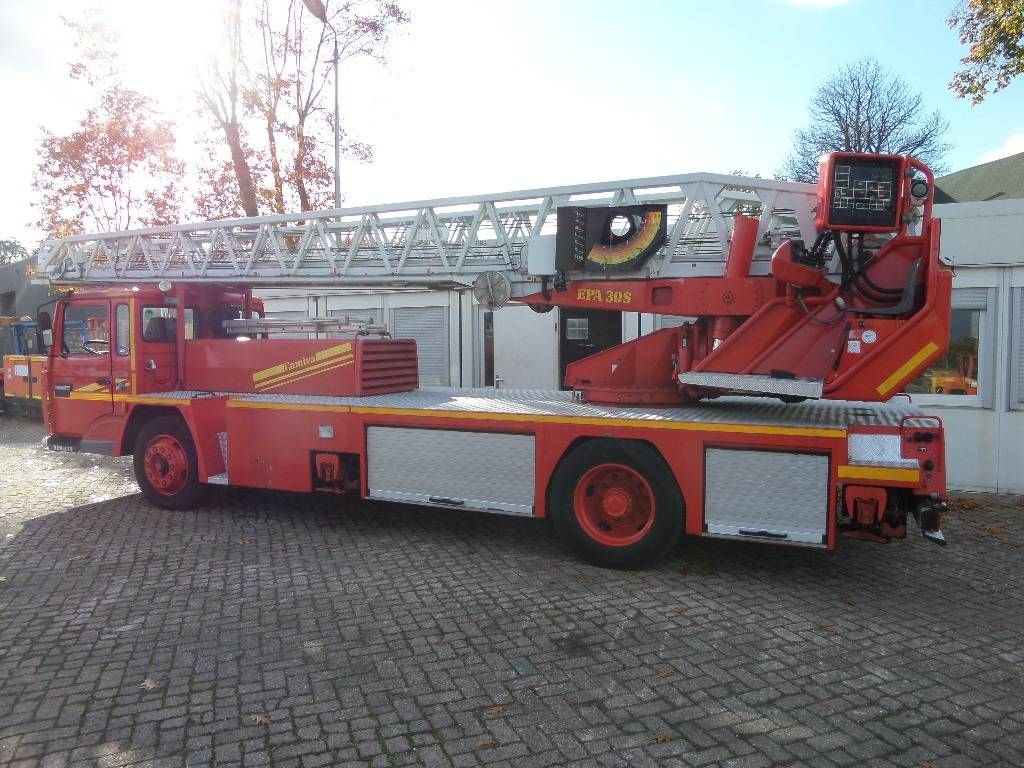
(429, 327)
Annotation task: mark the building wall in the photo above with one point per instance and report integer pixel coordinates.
(18, 296)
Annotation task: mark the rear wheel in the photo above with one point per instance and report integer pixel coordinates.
(616, 504)
(166, 466)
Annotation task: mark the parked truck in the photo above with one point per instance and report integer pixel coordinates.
(23, 358)
(22, 366)
(772, 415)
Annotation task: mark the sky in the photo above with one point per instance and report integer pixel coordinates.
(479, 97)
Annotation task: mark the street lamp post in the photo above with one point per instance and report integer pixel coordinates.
(337, 128)
(319, 10)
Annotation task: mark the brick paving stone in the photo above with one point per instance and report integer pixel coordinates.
(375, 634)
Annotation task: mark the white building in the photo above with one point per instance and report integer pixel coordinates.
(985, 425)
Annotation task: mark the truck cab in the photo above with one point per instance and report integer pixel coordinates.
(111, 346)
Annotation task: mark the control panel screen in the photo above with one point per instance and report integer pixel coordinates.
(864, 193)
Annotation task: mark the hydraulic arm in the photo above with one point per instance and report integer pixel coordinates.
(856, 316)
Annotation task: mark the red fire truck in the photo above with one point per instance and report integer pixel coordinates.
(769, 415)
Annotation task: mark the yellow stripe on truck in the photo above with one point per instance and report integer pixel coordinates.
(293, 366)
(904, 370)
(850, 472)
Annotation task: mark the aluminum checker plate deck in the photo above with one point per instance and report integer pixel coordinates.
(823, 414)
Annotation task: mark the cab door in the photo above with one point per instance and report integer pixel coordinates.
(81, 376)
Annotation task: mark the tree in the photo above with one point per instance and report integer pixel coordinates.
(11, 250)
(117, 169)
(275, 83)
(220, 94)
(864, 108)
(994, 30)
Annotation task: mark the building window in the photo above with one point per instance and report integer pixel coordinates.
(963, 374)
(577, 328)
(956, 372)
(1017, 349)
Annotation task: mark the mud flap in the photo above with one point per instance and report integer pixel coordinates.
(928, 514)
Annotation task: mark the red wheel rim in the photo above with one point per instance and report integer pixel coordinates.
(166, 464)
(614, 505)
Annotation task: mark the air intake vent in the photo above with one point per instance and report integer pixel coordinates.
(387, 365)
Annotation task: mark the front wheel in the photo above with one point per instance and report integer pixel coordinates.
(166, 465)
(616, 504)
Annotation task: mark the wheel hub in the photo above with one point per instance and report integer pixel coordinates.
(166, 465)
(614, 504)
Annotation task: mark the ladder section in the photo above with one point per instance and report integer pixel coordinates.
(312, 325)
(431, 243)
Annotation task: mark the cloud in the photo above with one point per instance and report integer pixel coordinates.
(816, 3)
(1014, 143)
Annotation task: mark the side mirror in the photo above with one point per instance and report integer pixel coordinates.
(44, 322)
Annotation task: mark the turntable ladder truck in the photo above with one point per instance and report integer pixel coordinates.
(772, 414)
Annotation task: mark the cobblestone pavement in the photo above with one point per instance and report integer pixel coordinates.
(308, 631)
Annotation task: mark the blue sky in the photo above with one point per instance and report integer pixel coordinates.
(491, 96)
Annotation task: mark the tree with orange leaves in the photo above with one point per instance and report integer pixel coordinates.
(117, 169)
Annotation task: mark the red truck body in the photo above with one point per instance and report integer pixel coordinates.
(647, 443)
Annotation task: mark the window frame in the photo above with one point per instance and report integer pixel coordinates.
(189, 320)
(119, 343)
(983, 299)
(1016, 372)
(575, 325)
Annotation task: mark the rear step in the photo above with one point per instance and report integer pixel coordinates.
(222, 478)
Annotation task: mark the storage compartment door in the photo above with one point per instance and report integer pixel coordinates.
(475, 470)
(767, 495)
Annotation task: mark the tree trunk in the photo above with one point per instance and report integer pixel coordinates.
(300, 165)
(246, 189)
(275, 167)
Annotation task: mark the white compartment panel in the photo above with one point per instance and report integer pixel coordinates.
(475, 470)
(766, 495)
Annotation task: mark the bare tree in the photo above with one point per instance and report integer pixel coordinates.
(864, 108)
(220, 93)
(272, 79)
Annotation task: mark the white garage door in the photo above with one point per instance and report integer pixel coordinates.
(429, 327)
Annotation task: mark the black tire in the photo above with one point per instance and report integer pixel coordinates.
(184, 490)
(653, 540)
